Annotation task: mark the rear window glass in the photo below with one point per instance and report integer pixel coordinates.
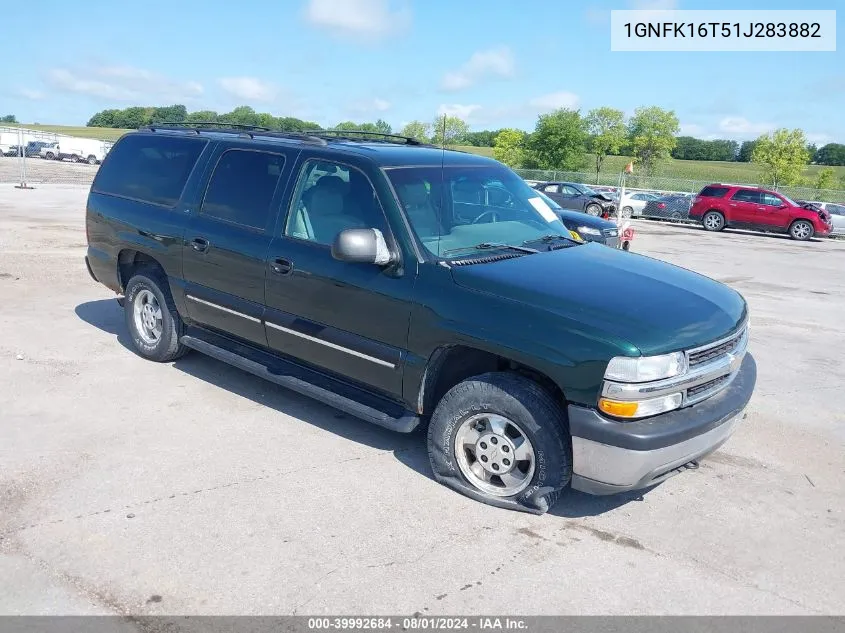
(714, 192)
(153, 169)
(748, 195)
(242, 186)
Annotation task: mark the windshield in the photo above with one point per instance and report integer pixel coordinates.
(585, 189)
(454, 208)
(789, 200)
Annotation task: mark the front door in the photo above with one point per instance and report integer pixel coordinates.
(742, 207)
(771, 213)
(227, 240)
(349, 319)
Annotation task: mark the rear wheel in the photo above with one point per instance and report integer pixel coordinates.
(801, 230)
(713, 221)
(151, 317)
(627, 212)
(92, 160)
(501, 439)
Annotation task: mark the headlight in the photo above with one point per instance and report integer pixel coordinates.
(587, 230)
(645, 368)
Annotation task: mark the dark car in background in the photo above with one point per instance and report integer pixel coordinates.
(669, 207)
(578, 197)
(586, 227)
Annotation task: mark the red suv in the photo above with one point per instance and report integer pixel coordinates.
(718, 206)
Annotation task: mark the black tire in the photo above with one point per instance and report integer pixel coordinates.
(801, 230)
(626, 246)
(167, 348)
(540, 418)
(74, 158)
(593, 209)
(49, 156)
(627, 212)
(713, 221)
(92, 160)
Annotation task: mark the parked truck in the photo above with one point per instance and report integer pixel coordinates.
(77, 150)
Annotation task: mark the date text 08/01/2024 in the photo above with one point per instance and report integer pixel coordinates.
(722, 29)
(432, 623)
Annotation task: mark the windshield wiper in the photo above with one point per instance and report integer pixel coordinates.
(492, 245)
(551, 237)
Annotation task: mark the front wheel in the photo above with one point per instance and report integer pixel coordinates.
(152, 319)
(501, 439)
(92, 160)
(713, 221)
(49, 156)
(627, 212)
(593, 209)
(801, 230)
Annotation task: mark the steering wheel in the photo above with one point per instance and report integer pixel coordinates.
(495, 214)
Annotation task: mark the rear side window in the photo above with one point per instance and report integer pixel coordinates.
(714, 192)
(242, 187)
(150, 168)
(747, 195)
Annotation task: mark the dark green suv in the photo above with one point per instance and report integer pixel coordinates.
(415, 287)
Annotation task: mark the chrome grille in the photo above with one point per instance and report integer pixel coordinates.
(707, 354)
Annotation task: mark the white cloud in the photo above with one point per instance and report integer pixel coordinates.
(742, 127)
(819, 139)
(691, 129)
(371, 18)
(123, 83)
(459, 110)
(369, 107)
(555, 100)
(249, 88)
(28, 93)
(495, 62)
(380, 105)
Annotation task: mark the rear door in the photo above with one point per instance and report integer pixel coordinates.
(227, 238)
(553, 191)
(742, 207)
(773, 212)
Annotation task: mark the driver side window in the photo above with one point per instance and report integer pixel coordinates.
(331, 198)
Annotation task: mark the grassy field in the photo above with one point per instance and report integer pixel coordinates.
(713, 171)
(102, 133)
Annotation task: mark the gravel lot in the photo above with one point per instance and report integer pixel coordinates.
(132, 487)
(40, 171)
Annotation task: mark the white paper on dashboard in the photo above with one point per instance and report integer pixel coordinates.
(544, 209)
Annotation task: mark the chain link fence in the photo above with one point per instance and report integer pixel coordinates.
(667, 185)
(30, 157)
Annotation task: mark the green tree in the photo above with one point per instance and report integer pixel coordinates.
(782, 155)
(9, 118)
(558, 141)
(509, 147)
(652, 131)
(745, 151)
(383, 126)
(607, 129)
(455, 130)
(418, 130)
(831, 154)
(826, 179)
(484, 138)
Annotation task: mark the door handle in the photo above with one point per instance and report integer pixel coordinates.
(281, 266)
(199, 244)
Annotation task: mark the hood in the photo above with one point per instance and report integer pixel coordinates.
(624, 297)
(585, 219)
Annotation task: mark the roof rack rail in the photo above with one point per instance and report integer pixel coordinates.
(250, 131)
(350, 135)
(203, 124)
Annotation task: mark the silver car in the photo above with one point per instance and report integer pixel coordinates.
(837, 216)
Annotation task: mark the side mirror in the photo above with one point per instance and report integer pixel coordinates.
(361, 246)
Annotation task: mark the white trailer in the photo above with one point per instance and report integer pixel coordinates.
(78, 150)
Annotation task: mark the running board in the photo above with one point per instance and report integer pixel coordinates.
(404, 424)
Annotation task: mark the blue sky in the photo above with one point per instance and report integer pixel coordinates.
(497, 63)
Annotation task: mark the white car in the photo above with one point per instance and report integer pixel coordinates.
(837, 215)
(634, 203)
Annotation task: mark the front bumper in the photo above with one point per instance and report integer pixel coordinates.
(610, 456)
